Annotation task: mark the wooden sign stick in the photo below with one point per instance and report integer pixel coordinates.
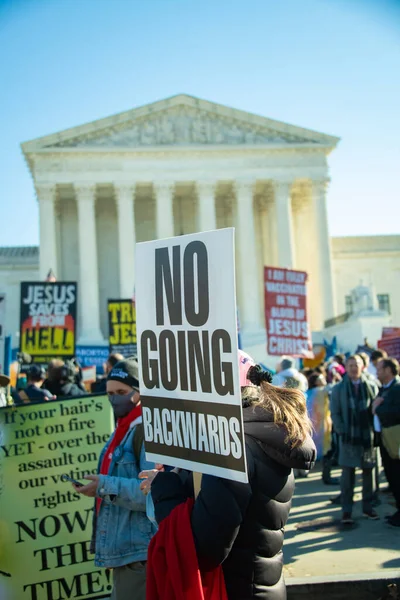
(196, 483)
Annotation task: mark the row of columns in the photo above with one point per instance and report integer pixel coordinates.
(248, 274)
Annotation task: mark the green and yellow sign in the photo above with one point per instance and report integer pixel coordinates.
(45, 527)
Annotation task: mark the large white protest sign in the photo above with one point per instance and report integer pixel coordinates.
(188, 354)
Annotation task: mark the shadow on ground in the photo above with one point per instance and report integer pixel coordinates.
(316, 543)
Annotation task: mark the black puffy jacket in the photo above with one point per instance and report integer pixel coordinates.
(242, 525)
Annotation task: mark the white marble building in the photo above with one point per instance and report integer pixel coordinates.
(373, 261)
(178, 166)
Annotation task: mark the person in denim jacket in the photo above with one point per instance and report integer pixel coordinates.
(121, 529)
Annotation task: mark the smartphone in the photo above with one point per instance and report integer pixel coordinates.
(67, 478)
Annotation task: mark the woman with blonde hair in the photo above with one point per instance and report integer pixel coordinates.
(241, 526)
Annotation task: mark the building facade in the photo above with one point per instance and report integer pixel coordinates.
(373, 261)
(179, 166)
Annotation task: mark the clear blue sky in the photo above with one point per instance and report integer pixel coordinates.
(330, 65)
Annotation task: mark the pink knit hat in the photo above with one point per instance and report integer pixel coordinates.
(245, 362)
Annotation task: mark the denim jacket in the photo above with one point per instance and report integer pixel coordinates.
(122, 531)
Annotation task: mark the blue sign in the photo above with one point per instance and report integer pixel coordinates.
(89, 356)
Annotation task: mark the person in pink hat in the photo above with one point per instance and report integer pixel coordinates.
(245, 362)
(241, 526)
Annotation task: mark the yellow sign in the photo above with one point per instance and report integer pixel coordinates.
(49, 340)
(122, 327)
(48, 319)
(45, 527)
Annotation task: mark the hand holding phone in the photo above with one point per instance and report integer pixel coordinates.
(67, 478)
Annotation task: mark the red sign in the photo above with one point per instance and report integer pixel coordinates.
(391, 345)
(389, 332)
(288, 331)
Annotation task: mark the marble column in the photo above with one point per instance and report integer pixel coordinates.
(46, 194)
(124, 195)
(248, 272)
(207, 220)
(88, 289)
(271, 234)
(324, 258)
(164, 192)
(284, 224)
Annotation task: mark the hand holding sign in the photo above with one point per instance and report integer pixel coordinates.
(148, 478)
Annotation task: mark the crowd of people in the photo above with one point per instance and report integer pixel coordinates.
(157, 535)
(363, 394)
(60, 379)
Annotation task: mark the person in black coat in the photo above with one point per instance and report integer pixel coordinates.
(64, 381)
(241, 526)
(386, 408)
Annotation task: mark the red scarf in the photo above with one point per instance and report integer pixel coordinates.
(172, 567)
(120, 432)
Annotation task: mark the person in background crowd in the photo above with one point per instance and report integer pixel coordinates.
(100, 386)
(65, 381)
(121, 529)
(289, 376)
(307, 372)
(375, 357)
(316, 379)
(319, 411)
(78, 377)
(386, 409)
(365, 358)
(351, 403)
(241, 526)
(4, 383)
(336, 369)
(52, 382)
(35, 391)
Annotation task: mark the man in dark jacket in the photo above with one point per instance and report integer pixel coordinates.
(241, 526)
(386, 408)
(64, 382)
(100, 386)
(35, 391)
(351, 402)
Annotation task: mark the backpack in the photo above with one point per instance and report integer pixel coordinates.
(137, 443)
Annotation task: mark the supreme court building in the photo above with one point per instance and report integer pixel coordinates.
(179, 166)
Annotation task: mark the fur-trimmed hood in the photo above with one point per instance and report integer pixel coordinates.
(272, 438)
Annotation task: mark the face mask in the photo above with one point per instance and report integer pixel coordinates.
(122, 405)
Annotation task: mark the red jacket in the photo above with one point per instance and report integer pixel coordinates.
(172, 567)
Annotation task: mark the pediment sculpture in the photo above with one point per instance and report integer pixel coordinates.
(183, 127)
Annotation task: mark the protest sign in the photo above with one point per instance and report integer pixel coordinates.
(188, 354)
(45, 527)
(48, 320)
(288, 331)
(391, 345)
(122, 327)
(2, 329)
(88, 377)
(89, 356)
(390, 332)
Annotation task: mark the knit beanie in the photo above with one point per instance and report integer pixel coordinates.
(245, 362)
(287, 362)
(126, 371)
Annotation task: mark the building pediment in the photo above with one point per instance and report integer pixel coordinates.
(180, 121)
